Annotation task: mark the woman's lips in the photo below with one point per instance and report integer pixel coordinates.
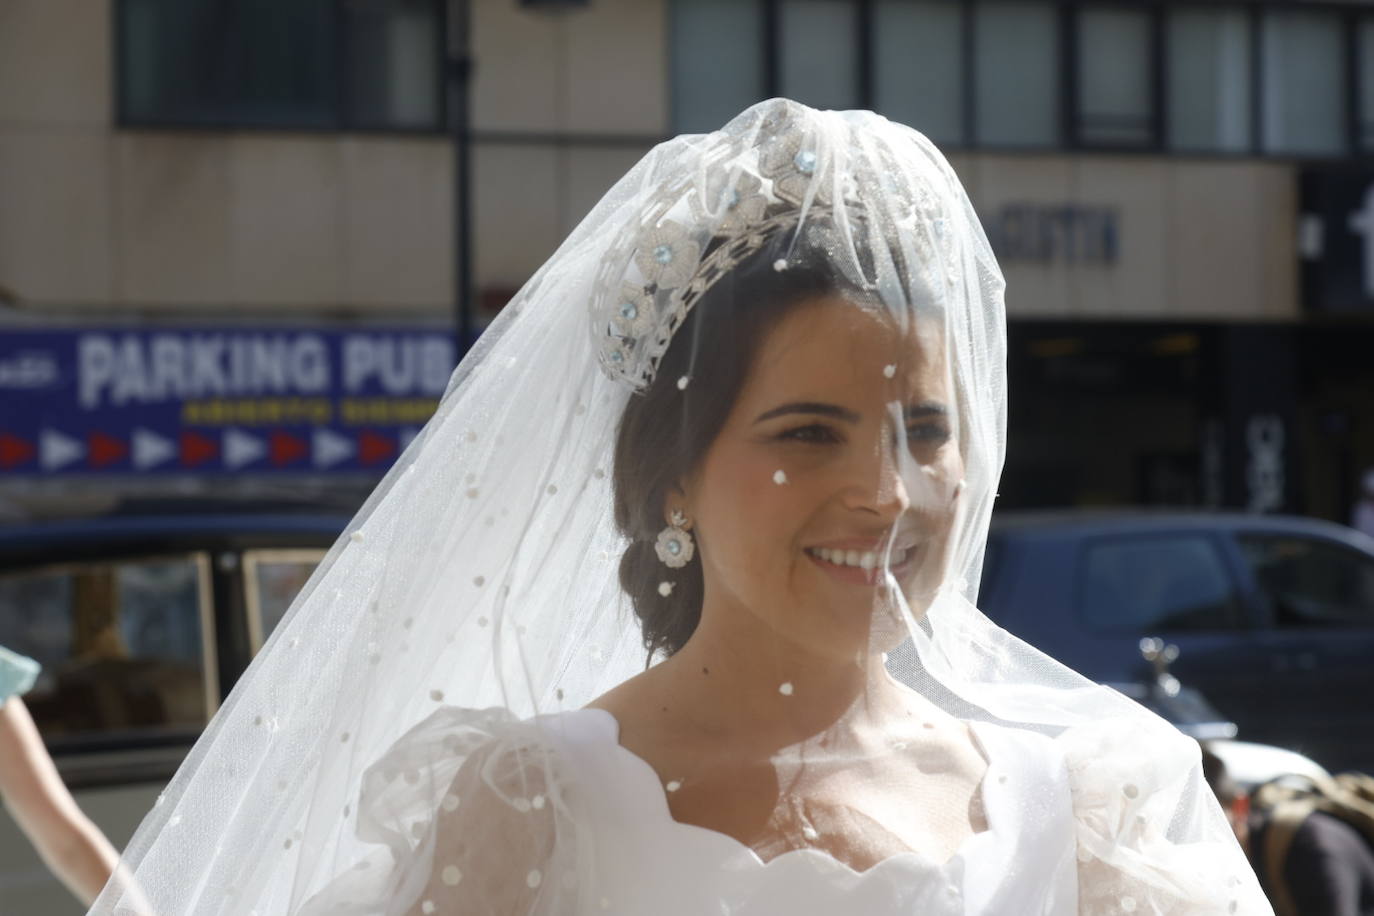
(861, 567)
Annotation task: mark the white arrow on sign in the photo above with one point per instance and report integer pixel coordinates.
(150, 449)
(58, 450)
(241, 448)
(330, 448)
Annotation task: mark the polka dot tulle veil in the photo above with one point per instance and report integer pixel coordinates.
(413, 737)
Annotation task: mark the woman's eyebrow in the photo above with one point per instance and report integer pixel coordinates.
(833, 411)
(925, 409)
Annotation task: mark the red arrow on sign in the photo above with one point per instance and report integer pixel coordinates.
(286, 448)
(105, 449)
(15, 451)
(197, 449)
(373, 448)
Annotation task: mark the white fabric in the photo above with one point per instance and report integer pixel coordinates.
(412, 731)
(646, 862)
(1040, 809)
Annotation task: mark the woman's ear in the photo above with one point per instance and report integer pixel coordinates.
(676, 507)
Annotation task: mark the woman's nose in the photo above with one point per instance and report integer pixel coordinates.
(877, 481)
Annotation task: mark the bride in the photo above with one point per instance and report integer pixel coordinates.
(749, 418)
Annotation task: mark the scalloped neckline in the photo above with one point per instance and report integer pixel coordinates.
(738, 848)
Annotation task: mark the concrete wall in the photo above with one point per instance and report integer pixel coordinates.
(94, 217)
(1197, 238)
(99, 218)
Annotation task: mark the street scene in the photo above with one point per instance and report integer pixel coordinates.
(687, 456)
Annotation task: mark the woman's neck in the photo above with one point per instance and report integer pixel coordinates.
(739, 678)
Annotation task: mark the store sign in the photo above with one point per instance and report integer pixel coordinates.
(179, 400)
(1336, 239)
(1041, 233)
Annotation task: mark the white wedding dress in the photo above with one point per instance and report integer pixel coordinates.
(646, 862)
(651, 863)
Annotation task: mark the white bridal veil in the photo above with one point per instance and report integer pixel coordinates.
(389, 751)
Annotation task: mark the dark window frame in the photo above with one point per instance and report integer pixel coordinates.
(344, 120)
(251, 560)
(1072, 114)
(1268, 608)
(1361, 133)
(1069, 134)
(1241, 621)
(1347, 18)
(115, 739)
(863, 67)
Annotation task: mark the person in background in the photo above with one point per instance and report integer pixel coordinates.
(1327, 869)
(1362, 519)
(72, 846)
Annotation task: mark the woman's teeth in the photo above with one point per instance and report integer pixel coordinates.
(863, 559)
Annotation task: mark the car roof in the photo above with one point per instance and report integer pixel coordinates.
(160, 525)
(1093, 522)
(94, 529)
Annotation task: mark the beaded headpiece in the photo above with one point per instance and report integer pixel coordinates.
(756, 183)
(694, 231)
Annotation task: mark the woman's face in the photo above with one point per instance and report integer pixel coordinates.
(836, 465)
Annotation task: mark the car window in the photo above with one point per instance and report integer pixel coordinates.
(272, 579)
(1310, 581)
(1156, 583)
(126, 647)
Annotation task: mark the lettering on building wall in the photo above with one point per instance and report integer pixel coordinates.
(1264, 438)
(1054, 233)
(118, 370)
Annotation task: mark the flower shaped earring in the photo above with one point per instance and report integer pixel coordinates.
(675, 547)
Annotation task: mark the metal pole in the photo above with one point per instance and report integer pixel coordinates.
(459, 67)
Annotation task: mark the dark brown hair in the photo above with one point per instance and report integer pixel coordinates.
(666, 431)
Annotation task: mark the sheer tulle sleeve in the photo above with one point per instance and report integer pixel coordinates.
(464, 810)
(1151, 838)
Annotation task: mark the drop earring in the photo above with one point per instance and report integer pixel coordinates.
(674, 546)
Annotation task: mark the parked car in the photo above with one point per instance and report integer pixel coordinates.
(142, 620)
(1273, 616)
(1248, 764)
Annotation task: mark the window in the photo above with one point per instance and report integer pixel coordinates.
(1157, 583)
(395, 64)
(717, 61)
(819, 52)
(1217, 77)
(1115, 99)
(126, 647)
(1304, 88)
(1209, 76)
(1364, 38)
(1016, 74)
(272, 579)
(918, 65)
(312, 63)
(1309, 582)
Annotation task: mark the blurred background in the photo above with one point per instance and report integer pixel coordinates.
(244, 242)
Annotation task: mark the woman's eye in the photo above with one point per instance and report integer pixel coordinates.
(814, 432)
(929, 432)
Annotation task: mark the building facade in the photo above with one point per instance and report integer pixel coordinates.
(1174, 189)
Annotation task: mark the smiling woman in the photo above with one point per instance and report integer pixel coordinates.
(771, 464)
